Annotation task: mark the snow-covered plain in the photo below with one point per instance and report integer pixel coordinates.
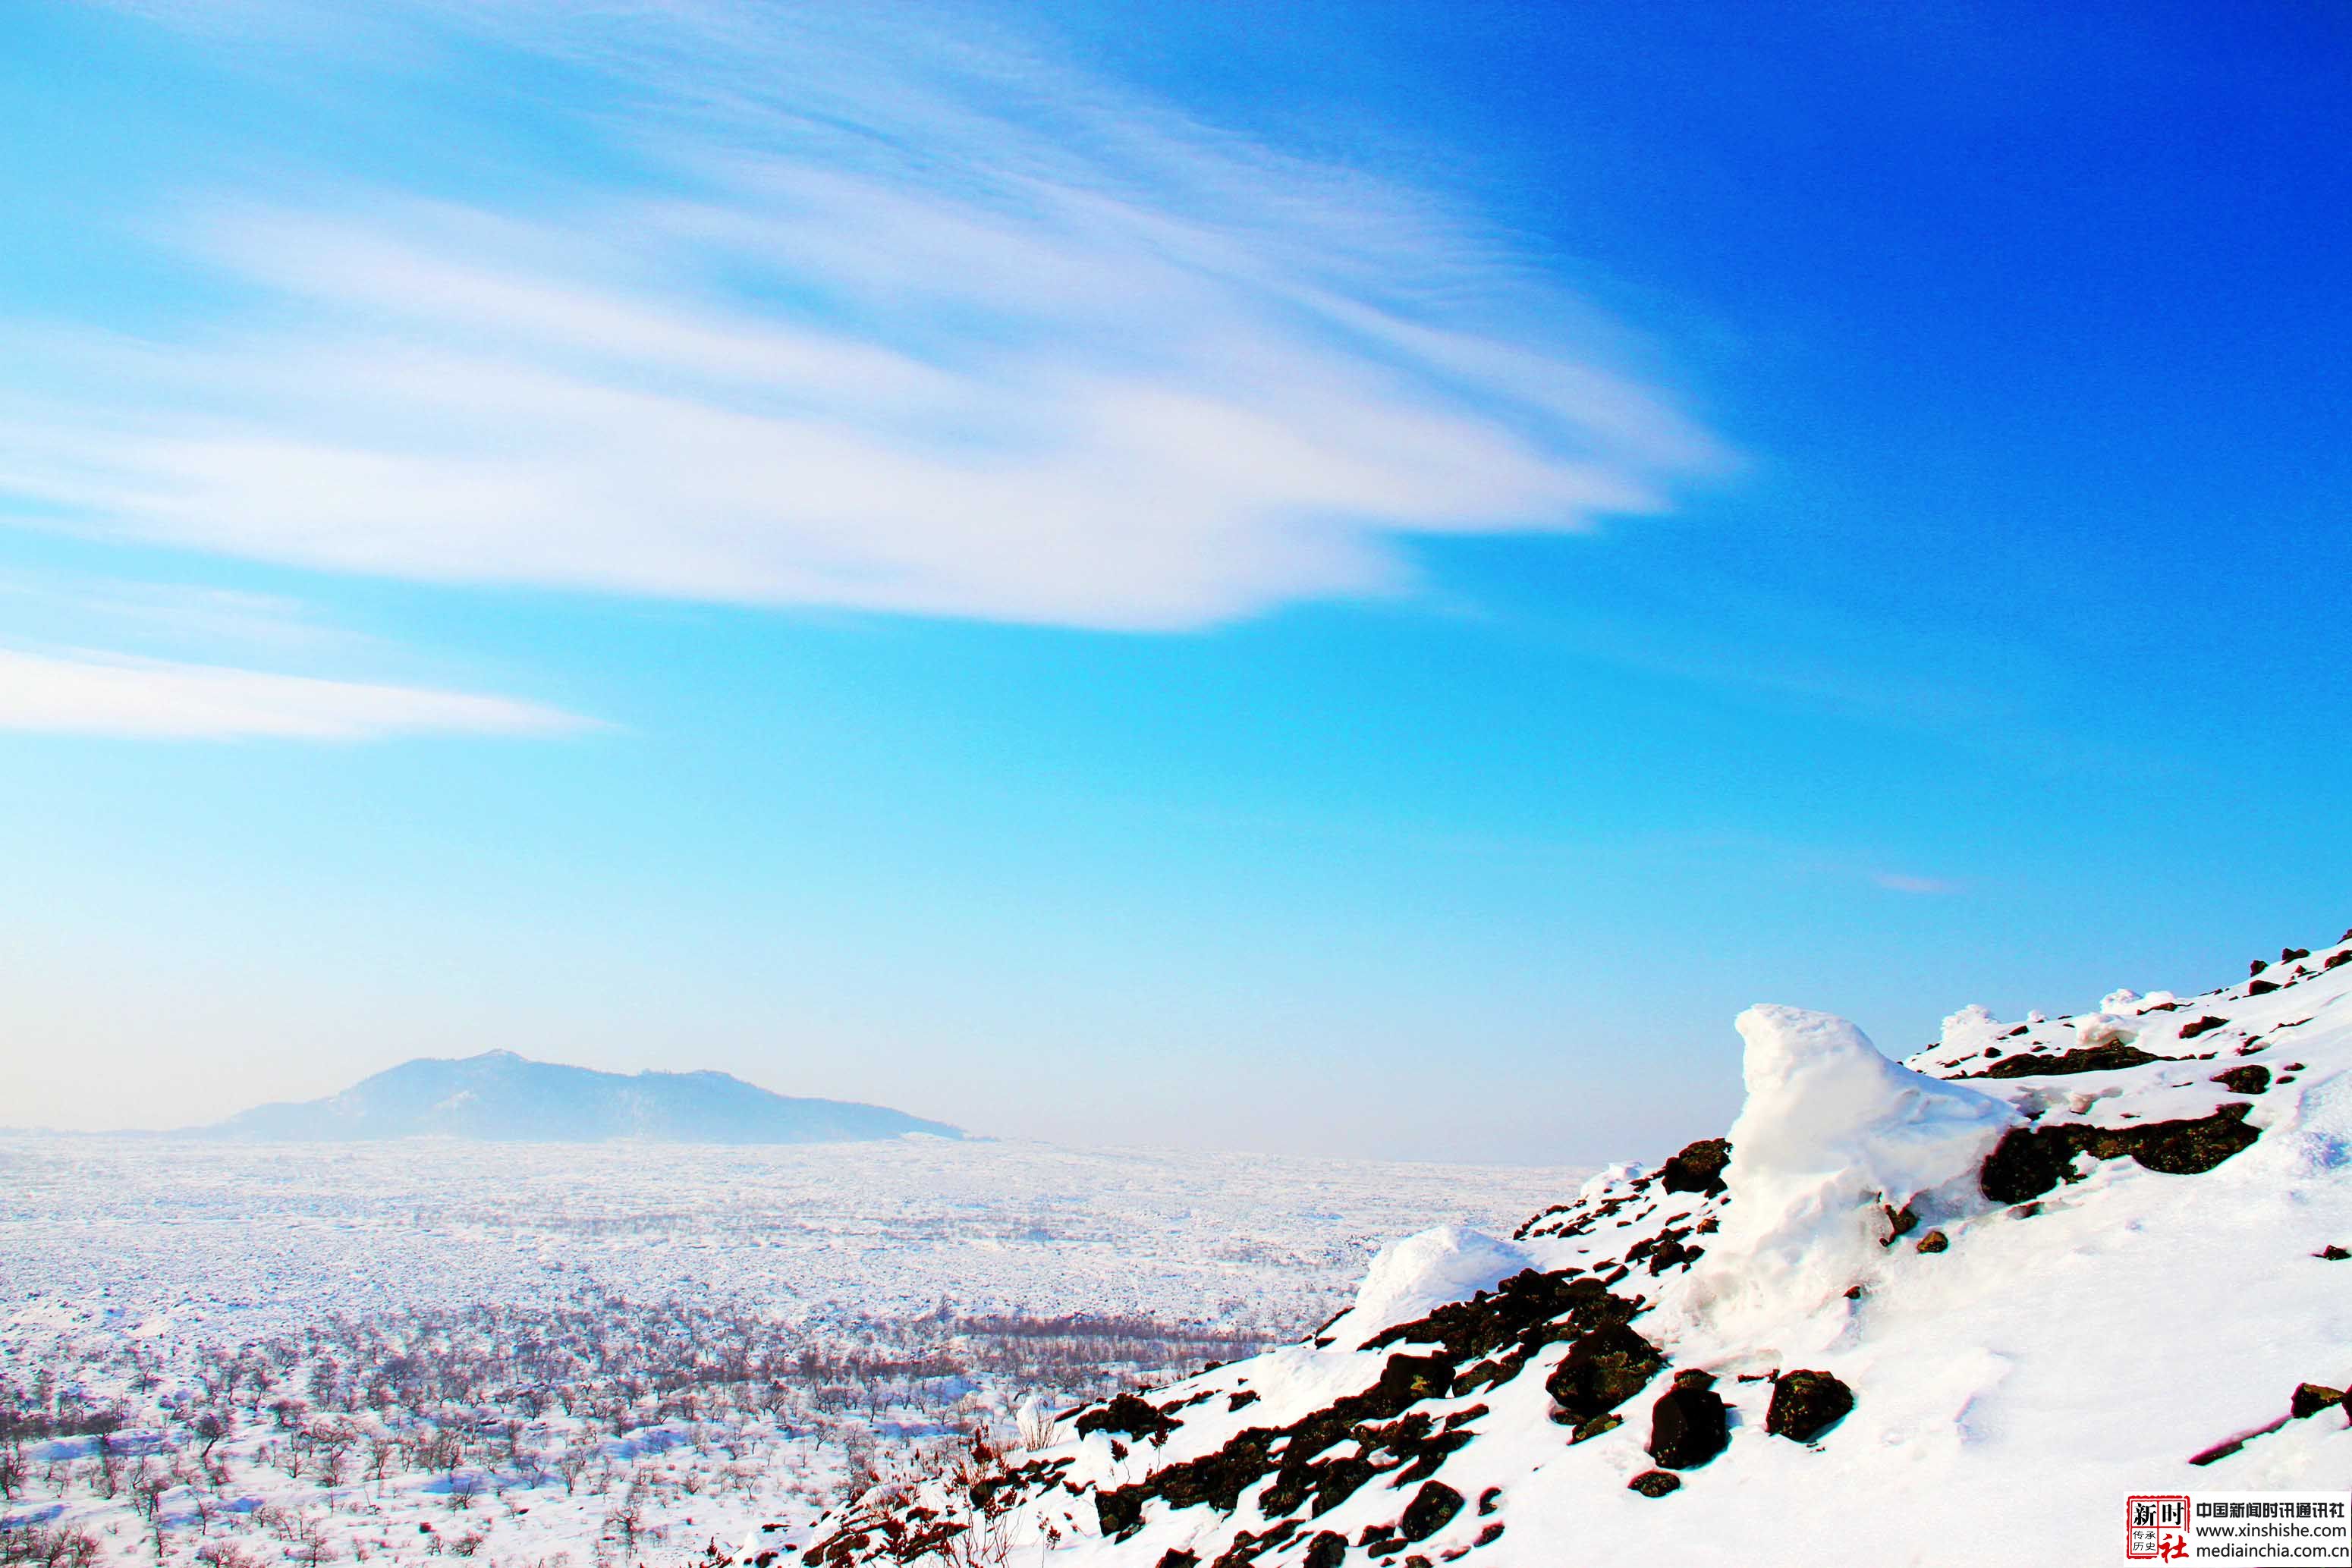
(1951, 1312)
(598, 1353)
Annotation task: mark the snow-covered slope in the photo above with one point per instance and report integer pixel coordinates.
(1953, 1312)
(507, 1098)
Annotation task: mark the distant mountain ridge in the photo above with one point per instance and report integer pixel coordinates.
(501, 1097)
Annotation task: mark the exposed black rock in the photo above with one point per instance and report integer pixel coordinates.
(2027, 1163)
(2187, 1148)
(1325, 1551)
(1688, 1423)
(2311, 1398)
(2031, 1161)
(2332, 1253)
(2260, 988)
(1593, 1428)
(1699, 1168)
(2254, 1078)
(1654, 1483)
(1934, 1241)
(1130, 1415)
(1602, 1370)
(2197, 1026)
(1294, 1454)
(1498, 1333)
(1432, 1509)
(1177, 1557)
(1900, 1222)
(1805, 1404)
(2087, 1059)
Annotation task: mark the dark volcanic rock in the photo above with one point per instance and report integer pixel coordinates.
(2252, 1079)
(2088, 1058)
(1699, 1168)
(1934, 1241)
(1806, 1404)
(1654, 1483)
(2188, 1148)
(2260, 988)
(2311, 1398)
(2030, 1161)
(1603, 1369)
(1309, 1460)
(1430, 1509)
(1129, 1414)
(2196, 1027)
(2027, 1163)
(1688, 1425)
(1595, 1428)
(1325, 1551)
(1177, 1557)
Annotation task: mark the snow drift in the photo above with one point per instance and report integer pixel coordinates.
(1835, 1139)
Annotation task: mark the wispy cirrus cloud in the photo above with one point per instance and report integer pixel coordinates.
(1900, 882)
(907, 323)
(86, 693)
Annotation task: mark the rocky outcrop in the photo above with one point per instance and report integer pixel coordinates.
(2032, 1161)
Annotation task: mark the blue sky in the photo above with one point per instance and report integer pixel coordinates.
(1354, 581)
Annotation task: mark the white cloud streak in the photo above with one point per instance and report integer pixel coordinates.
(922, 328)
(84, 693)
(1924, 886)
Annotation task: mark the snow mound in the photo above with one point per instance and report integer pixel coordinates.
(1412, 1278)
(2106, 1028)
(1831, 1131)
(1970, 1029)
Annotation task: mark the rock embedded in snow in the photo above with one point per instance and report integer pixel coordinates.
(1699, 1168)
(2031, 1161)
(1602, 1370)
(2104, 1057)
(1689, 1424)
(1433, 1507)
(1805, 1404)
(2311, 1398)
